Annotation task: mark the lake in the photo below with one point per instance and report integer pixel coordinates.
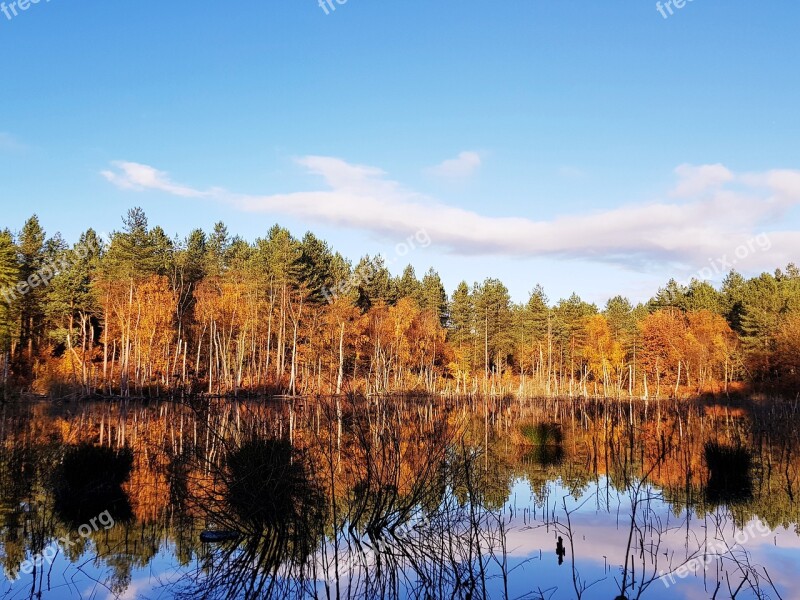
(400, 497)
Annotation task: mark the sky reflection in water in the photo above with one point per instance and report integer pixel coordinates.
(495, 538)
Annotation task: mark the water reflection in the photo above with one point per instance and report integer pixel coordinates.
(402, 497)
(267, 516)
(729, 479)
(88, 482)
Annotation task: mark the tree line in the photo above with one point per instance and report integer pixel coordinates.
(142, 314)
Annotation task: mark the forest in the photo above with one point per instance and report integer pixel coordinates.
(141, 314)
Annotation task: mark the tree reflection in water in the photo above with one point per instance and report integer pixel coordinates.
(366, 510)
(729, 479)
(399, 497)
(89, 482)
(262, 490)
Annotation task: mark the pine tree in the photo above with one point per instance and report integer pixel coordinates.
(281, 255)
(569, 329)
(73, 308)
(461, 328)
(673, 295)
(461, 314)
(621, 319)
(701, 295)
(32, 255)
(136, 253)
(373, 283)
(537, 312)
(493, 321)
(732, 300)
(316, 267)
(433, 296)
(217, 249)
(408, 286)
(9, 277)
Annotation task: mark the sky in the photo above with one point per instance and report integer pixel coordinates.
(594, 147)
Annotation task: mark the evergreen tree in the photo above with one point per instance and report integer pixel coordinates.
(134, 252)
(9, 277)
(32, 256)
(537, 312)
(316, 267)
(732, 300)
(240, 256)
(217, 248)
(621, 320)
(461, 312)
(163, 252)
(701, 295)
(493, 321)
(190, 263)
(569, 326)
(671, 296)
(762, 307)
(73, 308)
(189, 269)
(281, 254)
(373, 283)
(433, 296)
(408, 286)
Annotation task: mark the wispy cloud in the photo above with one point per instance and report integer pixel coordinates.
(139, 177)
(714, 214)
(464, 165)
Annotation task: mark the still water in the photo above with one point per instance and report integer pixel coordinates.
(400, 498)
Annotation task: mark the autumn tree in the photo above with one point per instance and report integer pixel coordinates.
(604, 355)
(663, 335)
(216, 313)
(710, 350)
(787, 351)
(135, 266)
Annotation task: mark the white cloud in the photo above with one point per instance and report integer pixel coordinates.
(139, 177)
(464, 165)
(695, 180)
(726, 212)
(783, 182)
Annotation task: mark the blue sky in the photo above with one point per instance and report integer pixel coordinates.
(586, 146)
